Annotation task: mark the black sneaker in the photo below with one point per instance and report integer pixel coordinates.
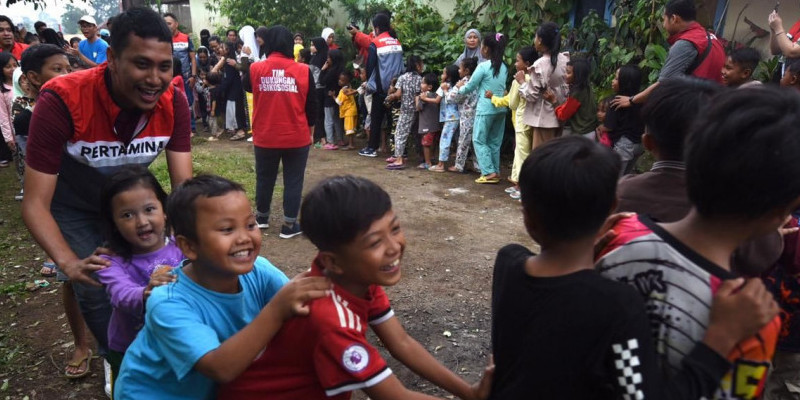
(368, 152)
(263, 222)
(288, 232)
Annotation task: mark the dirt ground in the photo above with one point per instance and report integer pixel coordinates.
(453, 226)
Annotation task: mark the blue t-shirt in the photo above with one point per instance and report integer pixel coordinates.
(94, 51)
(184, 321)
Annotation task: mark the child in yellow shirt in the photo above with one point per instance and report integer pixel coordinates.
(348, 110)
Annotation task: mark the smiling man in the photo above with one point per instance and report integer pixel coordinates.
(7, 42)
(86, 126)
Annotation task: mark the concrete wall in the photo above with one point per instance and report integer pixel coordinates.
(204, 19)
(757, 12)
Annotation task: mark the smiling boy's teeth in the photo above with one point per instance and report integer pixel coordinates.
(242, 253)
(395, 263)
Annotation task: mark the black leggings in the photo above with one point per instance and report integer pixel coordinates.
(377, 115)
(294, 168)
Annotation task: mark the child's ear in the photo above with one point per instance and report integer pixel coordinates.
(649, 142)
(329, 260)
(748, 73)
(187, 246)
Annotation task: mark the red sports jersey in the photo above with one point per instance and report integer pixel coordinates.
(324, 355)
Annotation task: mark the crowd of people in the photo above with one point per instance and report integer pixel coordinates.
(680, 282)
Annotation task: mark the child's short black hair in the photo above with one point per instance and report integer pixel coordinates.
(470, 63)
(347, 75)
(741, 156)
(126, 178)
(340, 208)
(181, 207)
(672, 108)
(746, 57)
(528, 54)
(34, 57)
(214, 78)
(452, 75)
(431, 79)
(305, 56)
(568, 187)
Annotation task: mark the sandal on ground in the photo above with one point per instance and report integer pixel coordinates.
(48, 270)
(515, 195)
(238, 136)
(484, 179)
(423, 166)
(511, 189)
(455, 169)
(77, 364)
(395, 167)
(436, 168)
(348, 147)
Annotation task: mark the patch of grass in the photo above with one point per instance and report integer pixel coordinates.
(212, 158)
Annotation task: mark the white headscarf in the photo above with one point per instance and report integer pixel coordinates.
(327, 32)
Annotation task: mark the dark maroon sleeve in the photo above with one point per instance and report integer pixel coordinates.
(181, 140)
(50, 129)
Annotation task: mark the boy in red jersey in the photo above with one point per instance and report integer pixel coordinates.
(327, 355)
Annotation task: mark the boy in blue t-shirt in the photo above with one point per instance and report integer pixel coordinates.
(225, 306)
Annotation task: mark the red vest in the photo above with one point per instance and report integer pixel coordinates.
(93, 113)
(280, 88)
(711, 67)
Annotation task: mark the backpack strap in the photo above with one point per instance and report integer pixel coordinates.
(699, 60)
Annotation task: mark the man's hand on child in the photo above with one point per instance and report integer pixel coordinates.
(81, 270)
(293, 298)
(739, 310)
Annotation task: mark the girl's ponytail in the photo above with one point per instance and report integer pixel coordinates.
(496, 42)
(550, 37)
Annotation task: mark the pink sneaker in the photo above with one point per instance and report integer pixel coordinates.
(330, 147)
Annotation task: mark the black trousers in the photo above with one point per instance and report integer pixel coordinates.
(294, 168)
(379, 112)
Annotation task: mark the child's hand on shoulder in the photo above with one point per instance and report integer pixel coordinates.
(488, 94)
(293, 298)
(549, 96)
(162, 276)
(520, 76)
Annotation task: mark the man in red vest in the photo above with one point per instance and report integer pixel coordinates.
(693, 50)
(86, 126)
(7, 42)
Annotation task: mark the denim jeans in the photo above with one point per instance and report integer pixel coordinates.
(81, 230)
(294, 168)
(334, 127)
(629, 152)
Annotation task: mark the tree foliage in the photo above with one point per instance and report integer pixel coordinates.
(70, 18)
(307, 16)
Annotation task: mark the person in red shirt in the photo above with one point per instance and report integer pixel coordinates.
(327, 355)
(7, 42)
(283, 100)
(87, 125)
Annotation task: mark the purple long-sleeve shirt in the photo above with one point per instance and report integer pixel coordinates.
(125, 282)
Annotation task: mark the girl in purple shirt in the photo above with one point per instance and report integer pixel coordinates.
(132, 208)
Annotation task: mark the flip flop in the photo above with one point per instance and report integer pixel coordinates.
(395, 167)
(48, 270)
(483, 179)
(86, 359)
